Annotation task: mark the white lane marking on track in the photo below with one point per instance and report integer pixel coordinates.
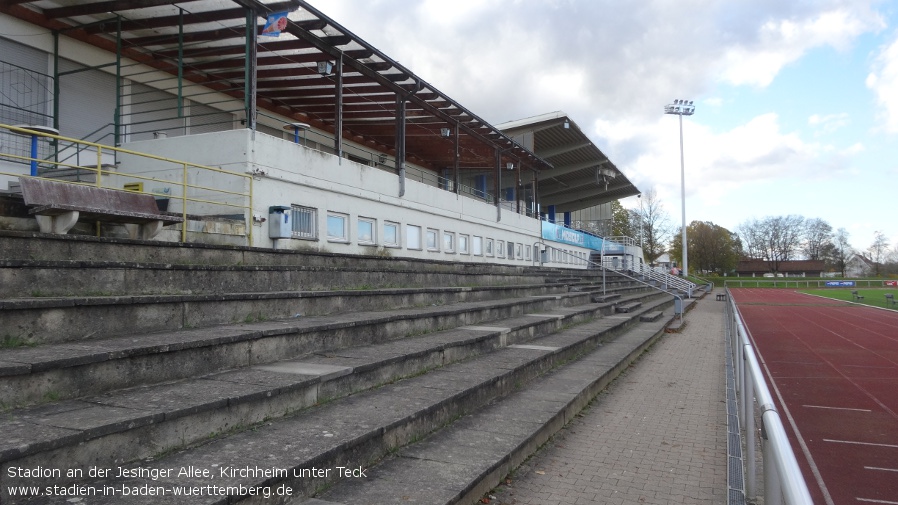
(835, 408)
(883, 469)
(868, 500)
(859, 443)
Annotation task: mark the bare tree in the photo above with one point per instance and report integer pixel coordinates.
(654, 223)
(841, 250)
(750, 232)
(774, 239)
(878, 250)
(818, 236)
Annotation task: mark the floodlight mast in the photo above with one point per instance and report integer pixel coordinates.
(682, 108)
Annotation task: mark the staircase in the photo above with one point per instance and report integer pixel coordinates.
(133, 371)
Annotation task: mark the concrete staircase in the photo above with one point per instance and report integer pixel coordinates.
(235, 373)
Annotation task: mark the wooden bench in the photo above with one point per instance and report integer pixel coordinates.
(856, 296)
(57, 206)
(890, 299)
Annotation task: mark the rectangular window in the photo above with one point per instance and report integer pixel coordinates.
(511, 250)
(489, 247)
(391, 234)
(462, 244)
(527, 252)
(336, 227)
(304, 222)
(432, 244)
(500, 248)
(477, 245)
(519, 253)
(365, 231)
(448, 242)
(413, 236)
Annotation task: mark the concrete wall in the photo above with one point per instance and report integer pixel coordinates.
(289, 174)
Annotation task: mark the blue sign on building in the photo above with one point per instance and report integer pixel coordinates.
(558, 233)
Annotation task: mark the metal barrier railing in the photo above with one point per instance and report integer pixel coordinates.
(765, 282)
(667, 278)
(679, 307)
(170, 176)
(783, 481)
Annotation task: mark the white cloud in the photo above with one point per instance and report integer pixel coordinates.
(829, 123)
(883, 81)
(783, 41)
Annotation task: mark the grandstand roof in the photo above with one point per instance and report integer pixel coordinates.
(581, 175)
(204, 41)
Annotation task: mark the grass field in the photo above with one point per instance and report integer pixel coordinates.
(872, 297)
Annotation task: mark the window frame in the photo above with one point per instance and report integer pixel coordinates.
(433, 246)
(312, 221)
(413, 231)
(343, 217)
(358, 230)
(452, 242)
(398, 228)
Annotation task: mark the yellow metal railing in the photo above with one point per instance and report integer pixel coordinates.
(178, 172)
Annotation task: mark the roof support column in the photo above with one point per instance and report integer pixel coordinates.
(535, 195)
(249, 71)
(117, 120)
(338, 116)
(400, 142)
(518, 190)
(181, 62)
(455, 162)
(498, 184)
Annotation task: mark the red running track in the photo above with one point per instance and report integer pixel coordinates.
(834, 365)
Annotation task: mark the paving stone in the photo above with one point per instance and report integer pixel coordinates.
(657, 435)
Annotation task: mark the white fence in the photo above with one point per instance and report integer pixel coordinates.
(783, 481)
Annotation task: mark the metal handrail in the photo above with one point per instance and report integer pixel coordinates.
(176, 165)
(782, 475)
(668, 279)
(604, 269)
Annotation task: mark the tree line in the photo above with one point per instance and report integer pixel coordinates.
(774, 239)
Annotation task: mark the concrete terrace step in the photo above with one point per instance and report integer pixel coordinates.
(651, 316)
(242, 397)
(461, 463)
(76, 319)
(55, 278)
(356, 431)
(627, 307)
(68, 370)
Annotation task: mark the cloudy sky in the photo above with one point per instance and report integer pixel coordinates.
(796, 101)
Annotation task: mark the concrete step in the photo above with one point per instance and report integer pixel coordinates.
(651, 316)
(464, 461)
(627, 307)
(23, 278)
(48, 320)
(140, 422)
(600, 298)
(358, 430)
(70, 370)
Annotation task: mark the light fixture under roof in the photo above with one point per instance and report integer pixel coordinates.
(325, 67)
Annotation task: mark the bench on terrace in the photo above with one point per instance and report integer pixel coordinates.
(57, 206)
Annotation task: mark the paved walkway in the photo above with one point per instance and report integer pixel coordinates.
(656, 436)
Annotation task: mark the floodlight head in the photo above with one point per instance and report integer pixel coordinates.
(445, 132)
(509, 166)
